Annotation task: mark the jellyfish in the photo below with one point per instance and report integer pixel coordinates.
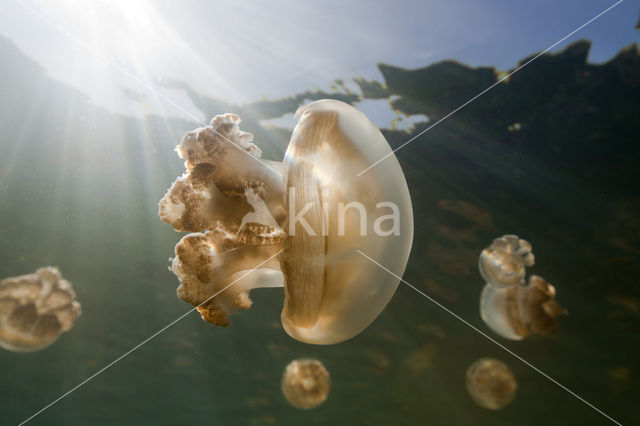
(471, 215)
(503, 263)
(305, 383)
(491, 383)
(35, 309)
(517, 312)
(295, 224)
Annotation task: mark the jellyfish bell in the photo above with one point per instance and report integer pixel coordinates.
(312, 212)
(491, 383)
(332, 292)
(503, 264)
(516, 312)
(35, 309)
(305, 383)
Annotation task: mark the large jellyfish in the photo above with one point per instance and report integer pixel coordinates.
(35, 309)
(298, 223)
(491, 383)
(305, 383)
(503, 263)
(516, 312)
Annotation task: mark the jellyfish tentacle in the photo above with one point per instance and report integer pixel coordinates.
(212, 191)
(207, 263)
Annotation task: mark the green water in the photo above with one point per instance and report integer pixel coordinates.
(79, 188)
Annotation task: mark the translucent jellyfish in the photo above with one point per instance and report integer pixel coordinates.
(503, 263)
(35, 309)
(516, 312)
(469, 217)
(305, 383)
(301, 221)
(421, 359)
(491, 383)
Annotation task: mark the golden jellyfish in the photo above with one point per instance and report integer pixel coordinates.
(491, 383)
(35, 309)
(305, 383)
(516, 312)
(296, 224)
(503, 263)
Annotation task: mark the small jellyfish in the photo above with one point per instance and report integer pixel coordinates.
(302, 220)
(503, 263)
(470, 218)
(305, 383)
(516, 312)
(35, 309)
(491, 383)
(421, 359)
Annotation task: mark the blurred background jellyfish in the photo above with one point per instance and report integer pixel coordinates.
(35, 309)
(516, 312)
(491, 383)
(503, 263)
(305, 383)
(299, 222)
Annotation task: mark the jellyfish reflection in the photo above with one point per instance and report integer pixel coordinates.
(503, 263)
(305, 383)
(35, 309)
(491, 383)
(516, 312)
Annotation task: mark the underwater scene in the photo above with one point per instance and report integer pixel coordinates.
(319, 213)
